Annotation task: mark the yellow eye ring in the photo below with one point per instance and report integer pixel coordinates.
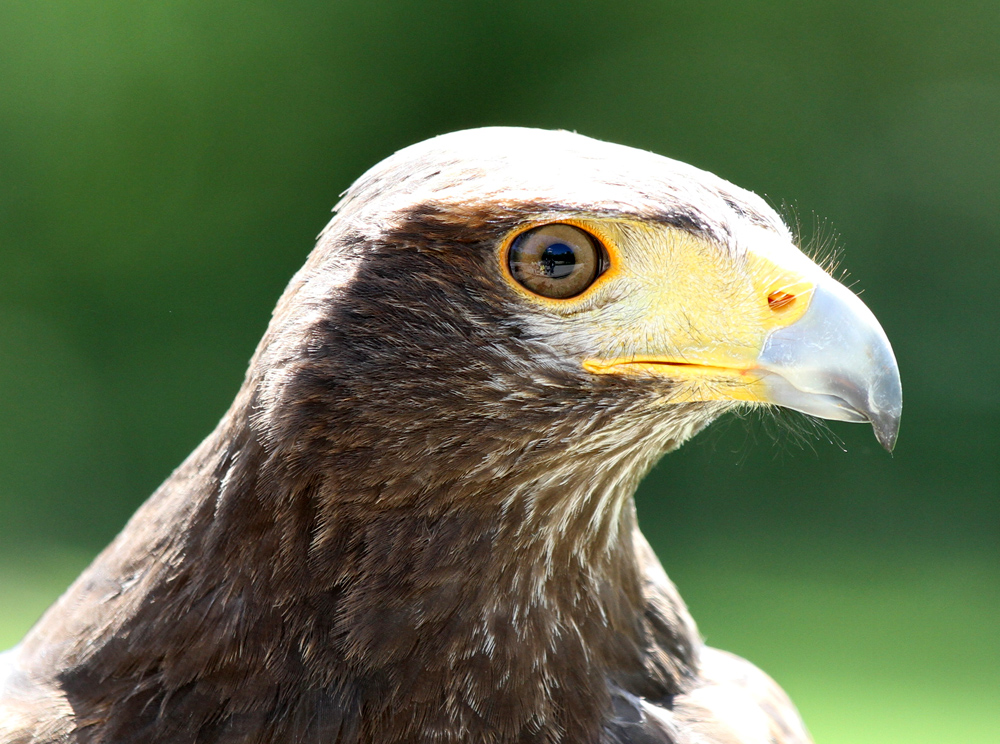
(556, 260)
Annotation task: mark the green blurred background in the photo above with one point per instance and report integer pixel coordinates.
(164, 168)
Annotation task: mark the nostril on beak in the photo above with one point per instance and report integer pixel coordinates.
(779, 300)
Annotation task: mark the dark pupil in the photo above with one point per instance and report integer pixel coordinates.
(558, 260)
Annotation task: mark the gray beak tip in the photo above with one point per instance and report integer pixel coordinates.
(886, 431)
(885, 401)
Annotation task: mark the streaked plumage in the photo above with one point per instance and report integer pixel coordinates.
(415, 523)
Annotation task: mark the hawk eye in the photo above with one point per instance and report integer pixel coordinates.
(556, 261)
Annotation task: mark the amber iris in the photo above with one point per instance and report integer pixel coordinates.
(556, 261)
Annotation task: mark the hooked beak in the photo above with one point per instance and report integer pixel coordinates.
(834, 362)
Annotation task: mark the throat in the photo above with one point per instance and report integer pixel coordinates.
(489, 611)
(452, 623)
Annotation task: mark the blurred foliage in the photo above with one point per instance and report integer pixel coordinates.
(164, 168)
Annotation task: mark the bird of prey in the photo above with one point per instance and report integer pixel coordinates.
(416, 521)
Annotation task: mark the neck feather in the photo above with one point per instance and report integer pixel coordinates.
(498, 599)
